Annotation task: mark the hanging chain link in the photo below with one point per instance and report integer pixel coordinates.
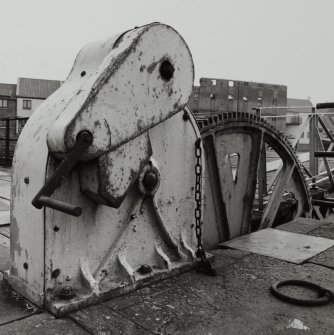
(204, 265)
(200, 253)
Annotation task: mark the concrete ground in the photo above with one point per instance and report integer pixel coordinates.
(236, 301)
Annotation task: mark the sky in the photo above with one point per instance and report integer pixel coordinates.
(288, 42)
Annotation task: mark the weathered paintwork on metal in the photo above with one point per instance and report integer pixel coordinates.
(123, 94)
(237, 191)
(115, 243)
(116, 91)
(107, 179)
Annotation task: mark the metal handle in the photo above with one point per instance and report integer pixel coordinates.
(42, 198)
(60, 206)
(325, 105)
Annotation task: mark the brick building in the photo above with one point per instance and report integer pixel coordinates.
(32, 92)
(7, 100)
(224, 95)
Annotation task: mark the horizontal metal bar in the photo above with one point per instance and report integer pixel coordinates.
(59, 205)
(325, 105)
(324, 154)
(325, 203)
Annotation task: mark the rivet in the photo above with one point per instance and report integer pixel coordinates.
(67, 293)
(55, 273)
(185, 116)
(145, 269)
(26, 180)
(150, 180)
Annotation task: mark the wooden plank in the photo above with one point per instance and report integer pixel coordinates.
(326, 258)
(102, 320)
(4, 218)
(42, 324)
(5, 231)
(12, 306)
(301, 225)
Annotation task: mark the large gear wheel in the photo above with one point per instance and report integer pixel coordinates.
(233, 146)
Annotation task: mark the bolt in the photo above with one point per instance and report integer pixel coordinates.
(55, 273)
(26, 180)
(166, 70)
(144, 269)
(150, 180)
(66, 293)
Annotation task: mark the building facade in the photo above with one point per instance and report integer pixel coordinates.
(7, 100)
(30, 93)
(298, 111)
(225, 95)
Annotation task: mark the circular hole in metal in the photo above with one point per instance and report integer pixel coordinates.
(166, 70)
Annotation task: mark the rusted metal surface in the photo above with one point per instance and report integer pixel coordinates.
(132, 183)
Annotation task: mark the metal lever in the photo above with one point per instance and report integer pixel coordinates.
(42, 198)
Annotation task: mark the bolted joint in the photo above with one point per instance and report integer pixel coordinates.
(150, 180)
(66, 293)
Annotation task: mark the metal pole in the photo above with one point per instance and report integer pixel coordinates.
(7, 143)
(313, 145)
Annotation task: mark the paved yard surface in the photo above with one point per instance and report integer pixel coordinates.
(236, 301)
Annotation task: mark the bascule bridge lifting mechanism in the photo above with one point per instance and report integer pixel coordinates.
(113, 176)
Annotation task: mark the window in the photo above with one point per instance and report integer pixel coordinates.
(26, 104)
(246, 84)
(230, 97)
(196, 96)
(20, 124)
(245, 99)
(259, 101)
(214, 82)
(212, 96)
(3, 103)
(275, 102)
(230, 83)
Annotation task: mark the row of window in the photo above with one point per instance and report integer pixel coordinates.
(246, 84)
(26, 104)
(244, 99)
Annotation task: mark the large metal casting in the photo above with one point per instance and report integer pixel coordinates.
(233, 144)
(131, 186)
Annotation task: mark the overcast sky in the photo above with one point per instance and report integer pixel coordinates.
(288, 42)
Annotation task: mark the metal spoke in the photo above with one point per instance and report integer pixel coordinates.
(277, 194)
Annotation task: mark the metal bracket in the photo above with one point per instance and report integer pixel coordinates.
(43, 197)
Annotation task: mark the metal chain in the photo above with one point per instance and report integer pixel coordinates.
(198, 198)
(204, 265)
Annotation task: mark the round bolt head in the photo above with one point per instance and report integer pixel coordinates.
(150, 180)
